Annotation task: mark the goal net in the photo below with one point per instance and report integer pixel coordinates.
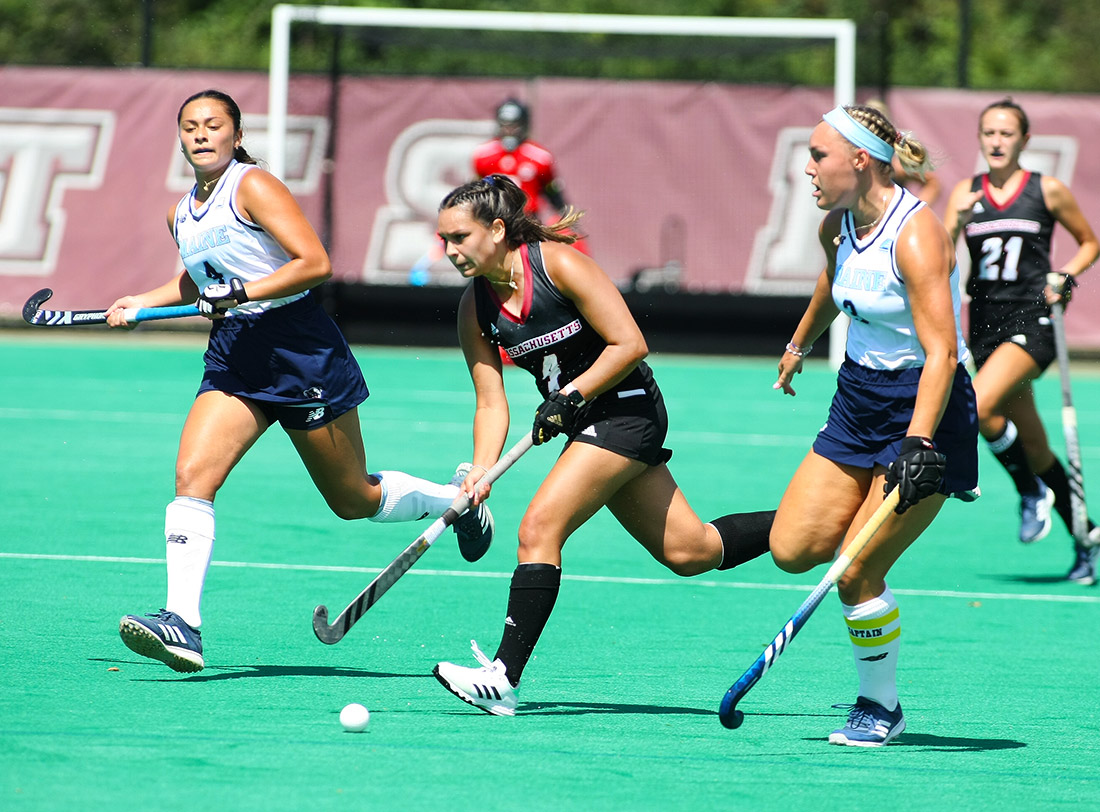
(689, 185)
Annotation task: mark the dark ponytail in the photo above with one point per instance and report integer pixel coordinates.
(496, 197)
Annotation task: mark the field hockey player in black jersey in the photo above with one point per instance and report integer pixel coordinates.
(556, 314)
(1006, 217)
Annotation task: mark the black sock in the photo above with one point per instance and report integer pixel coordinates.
(530, 602)
(1010, 453)
(744, 536)
(1056, 479)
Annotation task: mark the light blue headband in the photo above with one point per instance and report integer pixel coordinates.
(854, 132)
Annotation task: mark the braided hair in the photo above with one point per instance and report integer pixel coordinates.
(496, 197)
(912, 154)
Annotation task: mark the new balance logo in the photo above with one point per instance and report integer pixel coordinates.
(315, 414)
(177, 538)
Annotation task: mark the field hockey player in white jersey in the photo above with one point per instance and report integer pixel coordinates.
(903, 415)
(251, 259)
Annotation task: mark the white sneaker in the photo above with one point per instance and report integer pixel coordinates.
(487, 687)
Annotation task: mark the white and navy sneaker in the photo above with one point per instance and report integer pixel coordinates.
(869, 724)
(1035, 508)
(164, 636)
(475, 527)
(487, 687)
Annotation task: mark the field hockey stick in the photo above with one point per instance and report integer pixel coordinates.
(34, 314)
(728, 714)
(334, 632)
(1079, 524)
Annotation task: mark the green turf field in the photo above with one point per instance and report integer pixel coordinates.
(618, 710)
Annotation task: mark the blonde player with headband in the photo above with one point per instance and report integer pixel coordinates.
(903, 415)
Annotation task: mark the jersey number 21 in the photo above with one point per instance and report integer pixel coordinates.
(1000, 258)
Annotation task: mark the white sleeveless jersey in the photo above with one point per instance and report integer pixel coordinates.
(218, 243)
(867, 286)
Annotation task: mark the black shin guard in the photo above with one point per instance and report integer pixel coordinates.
(1056, 479)
(530, 602)
(1011, 455)
(744, 536)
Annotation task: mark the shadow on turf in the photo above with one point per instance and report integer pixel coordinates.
(242, 671)
(580, 708)
(948, 744)
(954, 743)
(1028, 579)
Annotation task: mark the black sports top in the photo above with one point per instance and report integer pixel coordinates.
(1009, 244)
(550, 339)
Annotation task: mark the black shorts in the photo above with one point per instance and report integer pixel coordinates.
(870, 414)
(630, 422)
(1025, 324)
(291, 361)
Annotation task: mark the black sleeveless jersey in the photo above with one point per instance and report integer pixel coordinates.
(550, 339)
(1009, 244)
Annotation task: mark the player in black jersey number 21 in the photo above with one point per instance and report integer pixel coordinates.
(1007, 216)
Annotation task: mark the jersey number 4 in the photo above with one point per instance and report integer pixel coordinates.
(551, 372)
(1000, 259)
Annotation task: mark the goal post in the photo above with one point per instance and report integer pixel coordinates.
(841, 31)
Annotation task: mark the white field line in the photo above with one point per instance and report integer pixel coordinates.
(596, 579)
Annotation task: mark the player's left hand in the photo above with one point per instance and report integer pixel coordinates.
(557, 413)
(218, 298)
(916, 473)
(1060, 288)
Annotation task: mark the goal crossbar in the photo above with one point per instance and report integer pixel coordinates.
(842, 32)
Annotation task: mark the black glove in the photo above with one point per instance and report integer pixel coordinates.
(917, 472)
(557, 413)
(216, 299)
(1062, 284)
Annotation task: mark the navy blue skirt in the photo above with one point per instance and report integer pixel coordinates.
(870, 414)
(292, 361)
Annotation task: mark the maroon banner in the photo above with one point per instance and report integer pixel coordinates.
(695, 187)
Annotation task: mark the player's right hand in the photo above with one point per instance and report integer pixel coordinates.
(916, 473)
(116, 313)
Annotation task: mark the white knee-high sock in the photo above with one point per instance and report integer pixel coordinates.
(875, 632)
(189, 541)
(408, 499)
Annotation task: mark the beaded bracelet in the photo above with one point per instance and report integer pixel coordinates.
(794, 349)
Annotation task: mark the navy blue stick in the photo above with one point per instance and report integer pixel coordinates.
(34, 314)
(728, 714)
